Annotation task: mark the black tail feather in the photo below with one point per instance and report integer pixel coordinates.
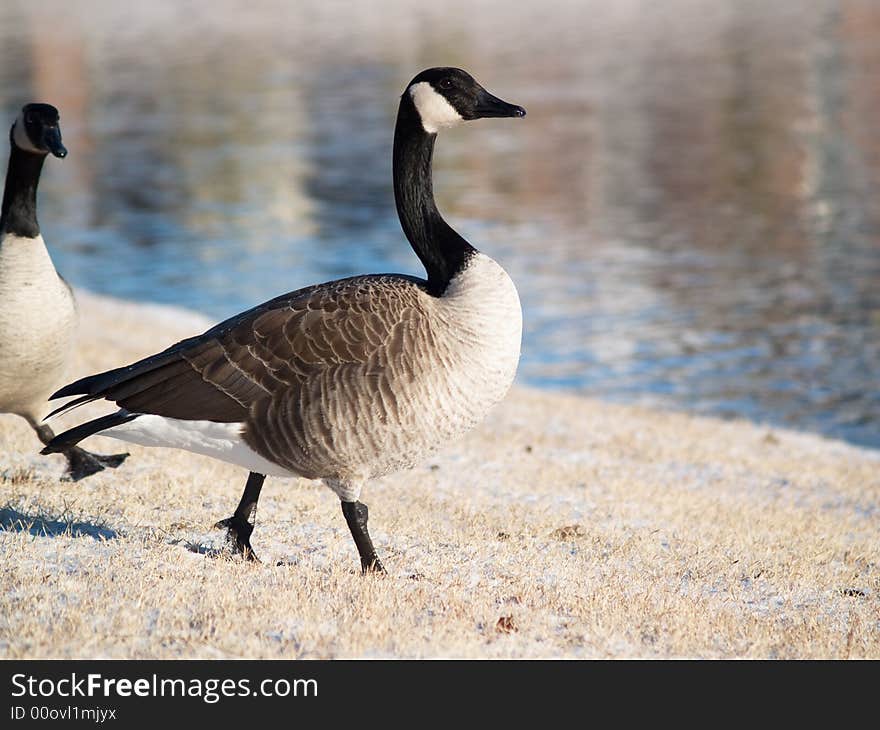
(78, 387)
(114, 384)
(70, 438)
(72, 404)
(95, 385)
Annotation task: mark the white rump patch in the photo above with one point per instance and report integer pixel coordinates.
(222, 441)
(433, 108)
(21, 139)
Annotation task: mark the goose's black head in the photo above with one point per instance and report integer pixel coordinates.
(446, 96)
(36, 130)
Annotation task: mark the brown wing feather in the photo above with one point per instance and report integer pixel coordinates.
(275, 348)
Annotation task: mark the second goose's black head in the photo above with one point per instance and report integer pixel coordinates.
(36, 130)
(445, 96)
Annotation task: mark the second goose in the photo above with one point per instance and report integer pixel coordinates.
(343, 381)
(38, 318)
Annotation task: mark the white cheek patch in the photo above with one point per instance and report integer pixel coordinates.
(22, 141)
(433, 108)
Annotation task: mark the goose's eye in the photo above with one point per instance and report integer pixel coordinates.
(446, 83)
(29, 119)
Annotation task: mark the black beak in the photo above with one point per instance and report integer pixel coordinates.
(491, 106)
(52, 141)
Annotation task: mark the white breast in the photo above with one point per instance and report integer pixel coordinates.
(37, 326)
(482, 312)
(482, 316)
(456, 376)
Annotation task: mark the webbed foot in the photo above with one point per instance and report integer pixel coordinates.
(82, 463)
(239, 535)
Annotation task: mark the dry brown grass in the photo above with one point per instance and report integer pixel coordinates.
(563, 527)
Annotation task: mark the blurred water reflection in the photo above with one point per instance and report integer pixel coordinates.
(690, 210)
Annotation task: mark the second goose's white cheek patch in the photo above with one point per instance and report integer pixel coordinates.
(433, 108)
(19, 136)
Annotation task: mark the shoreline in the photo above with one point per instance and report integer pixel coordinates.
(183, 322)
(561, 527)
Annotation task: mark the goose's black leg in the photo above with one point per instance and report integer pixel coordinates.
(240, 525)
(356, 516)
(80, 463)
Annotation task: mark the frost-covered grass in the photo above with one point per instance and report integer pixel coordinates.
(562, 527)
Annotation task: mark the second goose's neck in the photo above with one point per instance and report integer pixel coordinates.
(441, 250)
(19, 212)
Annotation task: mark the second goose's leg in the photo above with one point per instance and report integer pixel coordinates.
(80, 463)
(240, 525)
(356, 514)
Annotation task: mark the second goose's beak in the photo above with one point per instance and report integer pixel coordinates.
(491, 106)
(52, 141)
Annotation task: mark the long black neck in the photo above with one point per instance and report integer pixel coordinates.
(442, 251)
(19, 212)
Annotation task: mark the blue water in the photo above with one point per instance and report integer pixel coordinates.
(691, 208)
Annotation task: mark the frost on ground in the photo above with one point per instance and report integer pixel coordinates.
(562, 527)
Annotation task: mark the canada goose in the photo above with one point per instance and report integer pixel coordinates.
(38, 317)
(343, 381)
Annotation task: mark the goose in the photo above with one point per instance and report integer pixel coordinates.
(343, 381)
(38, 317)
